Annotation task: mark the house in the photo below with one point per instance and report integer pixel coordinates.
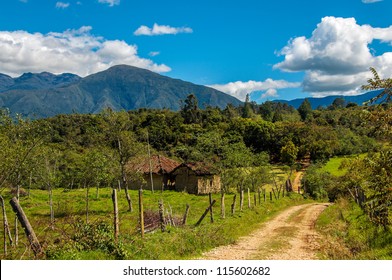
(157, 167)
(196, 178)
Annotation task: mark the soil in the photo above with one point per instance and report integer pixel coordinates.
(290, 235)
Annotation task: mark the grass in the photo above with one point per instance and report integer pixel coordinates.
(333, 165)
(349, 234)
(72, 238)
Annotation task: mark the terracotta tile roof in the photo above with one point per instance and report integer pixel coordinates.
(159, 164)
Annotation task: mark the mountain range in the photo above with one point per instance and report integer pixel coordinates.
(121, 87)
(328, 100)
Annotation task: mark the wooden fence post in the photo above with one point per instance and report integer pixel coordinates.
(34, 243)
(161, 216)
(271, 196)
(233, 204)
(186, 215)
(255, 200)
(141, 213)
(259, 194)
(115, 212)
(205, 213)
(223, 208)
(249, 206)
(211, 211)
(241, 199)
(7, 230)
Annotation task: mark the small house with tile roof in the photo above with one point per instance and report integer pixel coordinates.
(158, 167)
(196, 178)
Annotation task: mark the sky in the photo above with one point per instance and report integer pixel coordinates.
(279, 49)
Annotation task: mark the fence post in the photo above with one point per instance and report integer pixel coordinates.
(186, 215)
(233, 204)
(211, 211)
(141, 213)
(205, 213)
(241, 199)
(115, 214)
(34, 243)
(249, 206)
(223, 210)
(161, 216)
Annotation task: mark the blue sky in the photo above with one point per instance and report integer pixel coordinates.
(269, 49)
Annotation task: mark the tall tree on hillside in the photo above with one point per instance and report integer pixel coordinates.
(305, 109)
(377, 83)
(247, 111)
(190, 110)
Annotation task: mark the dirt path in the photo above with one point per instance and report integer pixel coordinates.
(288, 236)
(297, 181)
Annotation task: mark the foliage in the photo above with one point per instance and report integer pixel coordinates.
(377, 83)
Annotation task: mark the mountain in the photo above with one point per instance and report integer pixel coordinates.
(31, 81)
(120, 88)
(328, 100)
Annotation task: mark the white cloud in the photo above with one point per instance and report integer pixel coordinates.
(337, 57)
(152, 54)
(241, 89)
(270, 93)
(75, 51)
(62, 5)
(161, 30)
(111, 3)
(370, 1)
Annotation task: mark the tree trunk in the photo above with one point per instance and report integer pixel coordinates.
(34, 243)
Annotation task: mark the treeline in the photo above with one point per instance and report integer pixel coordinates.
(92, 150)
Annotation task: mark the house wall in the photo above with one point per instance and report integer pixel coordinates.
(187, 181)
(157, 181)
(208, 183)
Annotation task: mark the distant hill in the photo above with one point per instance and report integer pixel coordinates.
(328, 100)
(120, 88)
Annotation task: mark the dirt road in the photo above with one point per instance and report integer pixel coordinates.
(288, 236)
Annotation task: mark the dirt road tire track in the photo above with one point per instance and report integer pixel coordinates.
(300, 244)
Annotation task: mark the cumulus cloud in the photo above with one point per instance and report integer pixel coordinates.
(161, 30)
(370, 1)
(62, 5)
(75, 51)
(111, 3)
(337, 57)
(241, 89)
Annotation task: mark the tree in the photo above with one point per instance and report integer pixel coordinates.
(190, 110)
(247, 111)
(289, 153)
(377, 83)
(305, 109)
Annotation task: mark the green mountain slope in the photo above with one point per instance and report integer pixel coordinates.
(120, 87)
